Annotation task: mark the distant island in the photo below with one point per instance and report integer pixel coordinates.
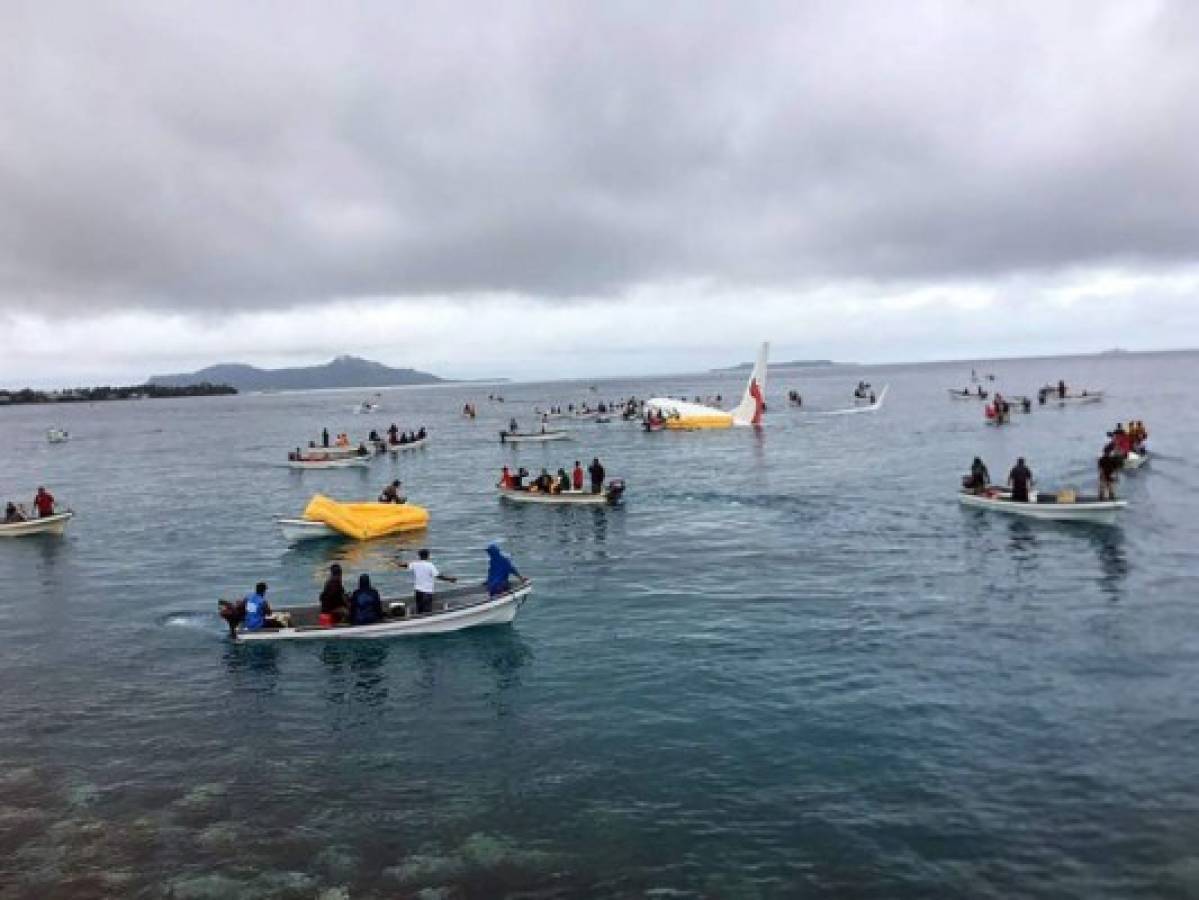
(94, 394)
(342, 372)
(793, 364)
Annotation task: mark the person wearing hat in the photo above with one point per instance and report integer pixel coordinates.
(334, 605)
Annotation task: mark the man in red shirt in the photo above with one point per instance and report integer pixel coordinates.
(44, 501)
(576, 477)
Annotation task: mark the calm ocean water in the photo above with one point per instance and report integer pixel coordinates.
(790, 665)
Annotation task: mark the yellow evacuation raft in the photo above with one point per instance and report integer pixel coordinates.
(696, 422)
(366, 520)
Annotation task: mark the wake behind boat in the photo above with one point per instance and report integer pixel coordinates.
(460, 608)
(868, 406)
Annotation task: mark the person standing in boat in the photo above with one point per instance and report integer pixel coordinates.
(391, 493)
(499, 571)
(366, 607)
(505, 479)
(1109, 465)
(562, 485)
(43, 501)
(1019, 480)
(334, 603)
(12, 515)
(576, 476)
(512, 425)
(425, 575)
(1061, 389)
(596, 471)
(324, 437)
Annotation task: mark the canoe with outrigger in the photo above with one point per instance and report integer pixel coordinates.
(471, 606)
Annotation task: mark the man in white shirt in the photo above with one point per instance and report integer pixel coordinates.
(424, 576)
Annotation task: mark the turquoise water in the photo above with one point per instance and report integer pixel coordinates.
(789, 665)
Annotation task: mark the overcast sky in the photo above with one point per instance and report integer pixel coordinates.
(560, 188)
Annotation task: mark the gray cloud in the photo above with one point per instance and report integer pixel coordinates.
(232, 155)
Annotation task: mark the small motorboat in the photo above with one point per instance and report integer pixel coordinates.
(457, 609)
(366, 407)
(532, 437)
(1052, 395)
(408, 445)
(55, 524)
(345, 462)
(1064, 506)
(611, 495)
(967, 394)
(57, 436)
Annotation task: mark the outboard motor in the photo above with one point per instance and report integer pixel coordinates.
(615, 490)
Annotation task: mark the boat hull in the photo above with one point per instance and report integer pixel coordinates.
(295, 530)
(485, 611)
(1096, 512)
(567, 498)
(356, 462)
(537, 437)
(55, 525)
(411, 445)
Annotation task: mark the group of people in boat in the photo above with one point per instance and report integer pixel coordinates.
(977, 392)
(1058, 391)
(562, 483)
(397, 438)
(364, 605)
(794, 398)
(1019, 479)
(1121, 442)
(656, 419)
(468, 410)
(864, 392)
(43, 504)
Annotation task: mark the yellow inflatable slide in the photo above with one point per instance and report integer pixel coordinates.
(366, 520)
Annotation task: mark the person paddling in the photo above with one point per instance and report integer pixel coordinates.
(1019, 479)
(424, 578)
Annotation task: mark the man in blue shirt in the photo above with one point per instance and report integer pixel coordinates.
(258, 611)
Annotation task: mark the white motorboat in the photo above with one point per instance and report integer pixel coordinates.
(455, 610)
(366, 407)
(295, 530)
(348, 462)
(1046, 506)
(57, 436)
(867, 407)
(55, 524)
(1052, 396)
(967, 395)
(408, 445)
(612, 494)
(532, 437)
